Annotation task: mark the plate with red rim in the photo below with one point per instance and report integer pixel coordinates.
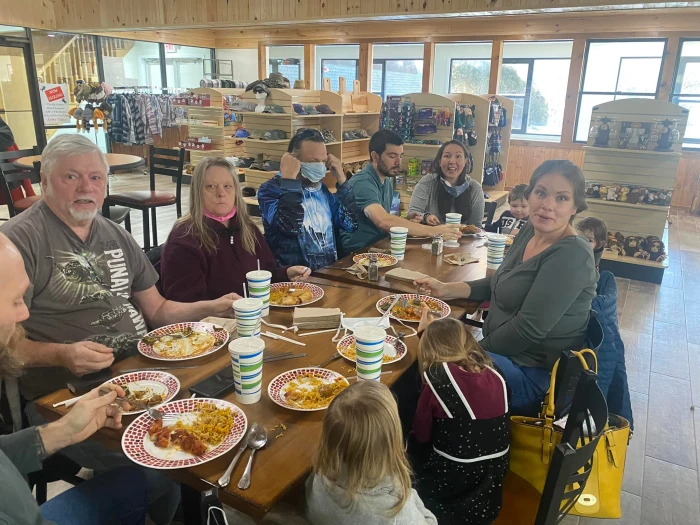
(139, 448)
(316, 293)
(347, 343)
(220, 337)
(154, 382)
(279, 386)
(435, 304)
(383, 260)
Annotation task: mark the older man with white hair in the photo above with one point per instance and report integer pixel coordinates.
(92, 292)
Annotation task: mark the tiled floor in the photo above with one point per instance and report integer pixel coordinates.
(660, 326)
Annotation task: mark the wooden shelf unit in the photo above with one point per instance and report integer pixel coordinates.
(646, 168)
(481, 127)
(219, 134)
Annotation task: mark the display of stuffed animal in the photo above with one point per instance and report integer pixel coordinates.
(650, 197)
(635, 196)
(633, 246)
(596, 191)
(603, 192)
(615, 242)
(655, 248)
(624, 193)
(613, 193)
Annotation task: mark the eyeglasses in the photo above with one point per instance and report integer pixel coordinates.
(307, 133)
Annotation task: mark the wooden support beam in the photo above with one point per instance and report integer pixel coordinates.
(366, 59)
(669, 68)
(428, 66)
(309, 65)
(578, 51)
(496, 62)
(263, 60)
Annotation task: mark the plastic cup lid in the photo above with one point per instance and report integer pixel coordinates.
(370, 333)
(246, 345)
(248, 304)
(259, 274)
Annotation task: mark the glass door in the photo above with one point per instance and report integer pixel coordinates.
(16, 106)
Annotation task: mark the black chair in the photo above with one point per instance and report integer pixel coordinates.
(12, 177)
(168, 162)
(489, 211)
(54, 468)
(117, 214)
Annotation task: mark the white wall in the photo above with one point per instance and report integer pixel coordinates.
(134, 67)
(444, 53)
(245, 62)
(406, 51)
(552, 49)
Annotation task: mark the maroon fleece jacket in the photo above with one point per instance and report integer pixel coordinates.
(189, 273)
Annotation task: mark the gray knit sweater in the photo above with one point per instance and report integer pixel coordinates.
(324, 505)
(425, 200)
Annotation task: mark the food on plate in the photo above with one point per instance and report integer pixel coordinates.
(350, 352)
(468, 229)
(185, 343)
(310, 392)
(509, 240)
(410, 312)
(290, 296)
(381, 261)
(140, 396)
(209, 428)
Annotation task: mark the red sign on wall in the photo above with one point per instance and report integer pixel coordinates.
(54, 94)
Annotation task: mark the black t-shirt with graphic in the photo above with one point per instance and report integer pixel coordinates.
(507, 223)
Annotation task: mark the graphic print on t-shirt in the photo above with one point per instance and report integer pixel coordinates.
(509, 223)
(318, 225)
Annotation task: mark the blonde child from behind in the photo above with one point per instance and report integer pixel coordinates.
(361, 474)
(463, 425)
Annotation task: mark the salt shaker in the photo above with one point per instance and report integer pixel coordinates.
(373, 270)
(436, 247)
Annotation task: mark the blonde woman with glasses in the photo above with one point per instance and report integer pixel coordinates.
(361, 474)
(210, 250)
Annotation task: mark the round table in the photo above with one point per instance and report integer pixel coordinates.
(116, 161)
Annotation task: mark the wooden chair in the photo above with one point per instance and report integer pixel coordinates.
(117, 214)
(489, 211)
(168, 162)
(569, 469)
(12, 177)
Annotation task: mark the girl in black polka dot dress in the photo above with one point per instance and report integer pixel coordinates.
(463, 423)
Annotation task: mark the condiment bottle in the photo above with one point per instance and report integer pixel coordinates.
(436, 247)
(373, 270)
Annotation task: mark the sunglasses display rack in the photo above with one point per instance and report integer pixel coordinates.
(208, 117)
(614, 164)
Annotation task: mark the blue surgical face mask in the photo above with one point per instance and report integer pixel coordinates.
(314, 171)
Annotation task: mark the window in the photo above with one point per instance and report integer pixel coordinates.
(288, 60)
(131, 62)
(396, 77)
(686, 90)
(469, 76)
(535, 75)
(614, 70)
(462, 67)
(184, 66)
(337, 61)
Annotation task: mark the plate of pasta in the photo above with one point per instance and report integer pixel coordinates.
(411, 309)
(383, 260)
(177, 342)
(202, 429)
(290, 295)
(393, 351)
(306, 389)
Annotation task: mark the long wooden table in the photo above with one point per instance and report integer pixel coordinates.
(421, 260)
(287, 458)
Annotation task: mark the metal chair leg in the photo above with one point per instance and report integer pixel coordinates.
(155, 227)
(146, 232)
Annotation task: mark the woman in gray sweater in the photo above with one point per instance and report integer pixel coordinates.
(449, 189)
(541, 294)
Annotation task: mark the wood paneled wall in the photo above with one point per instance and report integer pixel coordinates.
(183, 37)
(38, 14)
(81, 15)
(524, 157)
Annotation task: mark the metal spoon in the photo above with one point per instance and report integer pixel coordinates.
(226, 478)
(257, 439)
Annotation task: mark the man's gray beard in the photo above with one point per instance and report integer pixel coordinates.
(10, 364)
(82, 215)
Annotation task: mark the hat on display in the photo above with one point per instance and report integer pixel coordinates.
(258, 87)
(299, 84)
(299, 109)
(273, 108)
(310, 110)
(277, 80)
(271, 165)
(325, 109)
(242, 133)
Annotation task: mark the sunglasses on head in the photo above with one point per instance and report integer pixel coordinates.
(307, 133)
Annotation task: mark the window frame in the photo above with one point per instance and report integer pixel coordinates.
(382, 62)
(449, 78)
(581, 92)
(357, 69)
(681, 62)
(270, 68)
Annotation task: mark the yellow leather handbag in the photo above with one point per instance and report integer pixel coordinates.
(533, 440)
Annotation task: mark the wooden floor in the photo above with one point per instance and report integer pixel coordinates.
(660, 326)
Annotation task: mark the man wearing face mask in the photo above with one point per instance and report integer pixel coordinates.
(299, 213)
(374, 190)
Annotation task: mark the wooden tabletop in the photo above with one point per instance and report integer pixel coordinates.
(421, 260)
(287, 459)
(116, 161)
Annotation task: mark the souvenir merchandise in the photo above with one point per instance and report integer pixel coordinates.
(414, 167)
(603, 132)
(656, 248)
(635, 135)
(137, 117)
(91, 91)
(634, 246)
(222, 83)
(666, 134)
(398, 114)
(629, 194)
(426, 166)
(615, 243)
